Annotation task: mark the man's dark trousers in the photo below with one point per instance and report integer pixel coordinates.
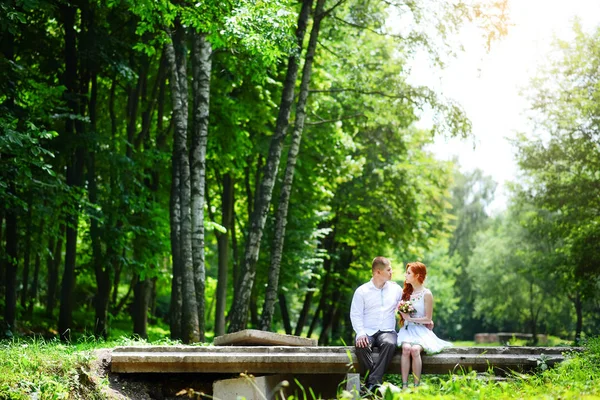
(386, 342)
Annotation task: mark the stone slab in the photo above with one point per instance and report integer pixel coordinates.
(317, 360)
(254, 337)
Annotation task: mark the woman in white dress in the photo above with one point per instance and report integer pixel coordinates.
(414, 336)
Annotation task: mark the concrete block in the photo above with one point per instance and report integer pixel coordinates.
(353, 385)
(278, 386)
(250, 337)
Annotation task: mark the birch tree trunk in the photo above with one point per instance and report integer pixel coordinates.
(286, 189)
(201, 69)
(239, 310)
(176, 55)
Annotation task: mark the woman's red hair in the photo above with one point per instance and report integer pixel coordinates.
(420, 270)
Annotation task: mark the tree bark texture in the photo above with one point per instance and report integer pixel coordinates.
(302, 318)
(27, 250)
(176, 282)
(2, 267)
(239, 315)
(285, 315)
(223, 249)
(141, 303)
(201, 70)
(286, 189)
(578, 303)
(10, 308)
(53, 264)
(176, 55)
(36, 268)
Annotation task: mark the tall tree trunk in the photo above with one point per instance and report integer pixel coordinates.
(201, 70)
(305, 308)
(176, 55)
(239, 316)
(141, 303)
(53, 264)
(315, 319)
(10, 308)
(36, 268)
(286, 189)
(74, 171)
(579, 321)
(285, 315)
(152, 305)
(323, 299)
(176, 283)
(329, 318)
(116, 310)
(2, 268)
(133, 102)
(253, 307)
(101, 267)
(223, 249)
(8, 260)
(330, 247)
(341, 269)
(27, 250)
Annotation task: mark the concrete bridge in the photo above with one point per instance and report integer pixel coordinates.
(324, 370)
(266, 359)
(318, 360)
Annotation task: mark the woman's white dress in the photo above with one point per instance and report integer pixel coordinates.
(415, 333)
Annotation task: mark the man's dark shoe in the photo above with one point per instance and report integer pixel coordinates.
(373, 387)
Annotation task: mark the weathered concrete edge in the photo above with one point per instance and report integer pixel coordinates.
(306, 363)
(257, 337)
(317, 350)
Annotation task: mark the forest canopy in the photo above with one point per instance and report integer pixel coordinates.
(201, 168)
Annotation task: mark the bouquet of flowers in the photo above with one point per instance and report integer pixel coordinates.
(405, 306)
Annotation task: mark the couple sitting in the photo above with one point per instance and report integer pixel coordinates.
(373, 316)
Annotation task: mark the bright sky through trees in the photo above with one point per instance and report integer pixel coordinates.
(487, 84)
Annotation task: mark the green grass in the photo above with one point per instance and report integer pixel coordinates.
(36, 368)
(578, 377)
(552, 341)
(48, 369)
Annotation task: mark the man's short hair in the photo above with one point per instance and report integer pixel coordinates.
(380, 263)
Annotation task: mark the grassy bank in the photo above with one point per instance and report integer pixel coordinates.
(43, 369)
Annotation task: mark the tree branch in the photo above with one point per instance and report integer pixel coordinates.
(368, 92)
(326, 121)
(329, 11)
(366, 28)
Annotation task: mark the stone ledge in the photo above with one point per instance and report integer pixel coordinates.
(318, 360)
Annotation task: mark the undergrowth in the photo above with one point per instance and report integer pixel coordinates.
(48, 369)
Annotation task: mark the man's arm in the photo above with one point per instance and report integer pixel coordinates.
(357, 316)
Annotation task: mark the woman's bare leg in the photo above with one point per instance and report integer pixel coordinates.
(405, 364)
(417, 363)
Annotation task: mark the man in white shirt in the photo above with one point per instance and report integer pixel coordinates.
(373, 316)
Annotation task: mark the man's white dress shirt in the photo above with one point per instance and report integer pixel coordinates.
(374, 309)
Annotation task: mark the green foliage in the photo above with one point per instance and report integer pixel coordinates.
(561, 163)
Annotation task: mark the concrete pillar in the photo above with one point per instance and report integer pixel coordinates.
(353, 385)
(270, 386)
